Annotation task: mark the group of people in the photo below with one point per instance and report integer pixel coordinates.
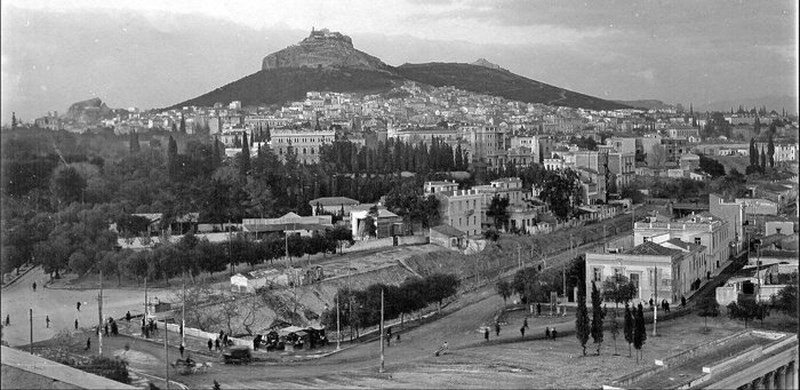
(223, 338)
(551, 333)
(112, 325)
(149, 327)
(665, 304)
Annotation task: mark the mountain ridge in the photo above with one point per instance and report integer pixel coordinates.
(327, 61)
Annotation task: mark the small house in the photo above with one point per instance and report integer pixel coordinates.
(247, 283)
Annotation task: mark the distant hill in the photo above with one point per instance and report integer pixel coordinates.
(646, 104)
(327, 61)
(280, 85)
(499, 83)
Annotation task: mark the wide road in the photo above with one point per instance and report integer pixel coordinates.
(61, 306)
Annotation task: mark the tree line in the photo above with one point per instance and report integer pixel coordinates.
(359, 309)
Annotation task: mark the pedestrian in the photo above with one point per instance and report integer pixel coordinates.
(389, 341)
(128, 316)
(216, 344)
(497, 328)
(34, 286)
(79, 305)
(76, 324)
(525, 322)
(666, 306)
(651, 303)
(106, 329)
(210, 344)
(554, 333)
(88, 343)
(538, 309)
(683, 301)
(522, 331)
(225, 340)
(8, 320)
(114, 329)
(547, 332)
(181, 349)
(398, 338)
(486, 333)
(47, 320)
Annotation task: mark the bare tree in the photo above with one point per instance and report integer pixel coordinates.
(657, 157)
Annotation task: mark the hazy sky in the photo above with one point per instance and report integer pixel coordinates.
(157, 53)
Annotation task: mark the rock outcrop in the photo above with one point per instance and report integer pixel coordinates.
(486, 64)
(88, 110)
(323, 48)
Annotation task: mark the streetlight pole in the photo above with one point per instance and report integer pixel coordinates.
(338, 326)
(382, 329)
(100, 315)
(655, 294)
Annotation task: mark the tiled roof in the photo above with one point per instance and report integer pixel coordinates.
(652, 249)
(333, 201)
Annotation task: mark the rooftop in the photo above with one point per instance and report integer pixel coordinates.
(652, 249)
(333, 201)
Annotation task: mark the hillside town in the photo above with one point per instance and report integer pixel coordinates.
(423, 236)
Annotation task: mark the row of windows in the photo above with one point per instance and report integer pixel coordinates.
(461, 221)
(304, 151)
(281, 140)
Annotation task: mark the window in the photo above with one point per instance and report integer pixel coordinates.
(596, 274)
(635, 280)
(645, 239)
(697, 241)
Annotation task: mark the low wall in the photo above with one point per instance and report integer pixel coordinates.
(412, 240)
(370, 244)
(203, 334)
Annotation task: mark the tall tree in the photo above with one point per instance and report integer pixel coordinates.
(618, 289)
(498, 211)
(614, 329)
(597, 318)
(562, 190)
(244, 158)
(753, 152)
(707, 307)
(172, 158)
(763, 156)
(504, 289)
(628, 327)
(134, 140)
(771, 151)
(582, 328)
(639, 332)
(183, 125)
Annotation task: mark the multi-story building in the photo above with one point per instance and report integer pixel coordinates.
(659, 271)
(676, 147)
(685, 132)
(488, 144)
(701, 229)
(305, 142)
(622, 144)
(623, 167)
(733, 213)
(461, 209)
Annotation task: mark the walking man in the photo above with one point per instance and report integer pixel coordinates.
(216, 344)
(34, 286)
(106, 329)
(88, 343)
(525, 322)
(47, 320)
(76, 324)
(8, 320)
(210, 345)
(79, 305)
(554, 333)
(486, 333)
(181, 349)
(128, 316)
(497, 328)
(522, 330)
(547, 332)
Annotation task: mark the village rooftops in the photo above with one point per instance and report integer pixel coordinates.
(686, 246)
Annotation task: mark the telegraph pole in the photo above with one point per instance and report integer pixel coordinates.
(166, 355)
(382, 328)
(655, 300)
(31, 319)
(183, 310)
(338, 326)
(100, 315)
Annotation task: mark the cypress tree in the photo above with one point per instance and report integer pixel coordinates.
(628, 327)
(459, 158)
(771, 151)
(763, 156)
(614, 329)
(183, 124)
(172, 156)
(597, 318)
(244, 167)
(135, 147)
(639, 332)
(582, 328)
(753, 152)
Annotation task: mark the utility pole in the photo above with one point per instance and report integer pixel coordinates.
(183, 310)
(338, 326)
(382, 329)
(655, 300)
(166, 355)
(31, 319)
(145, 295)
(758, 271)
(100, 315)
(519, 257)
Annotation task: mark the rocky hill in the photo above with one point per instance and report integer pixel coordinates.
(499, 83)
(327, 61)
(322, 49)
(88, 110)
